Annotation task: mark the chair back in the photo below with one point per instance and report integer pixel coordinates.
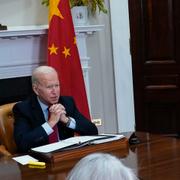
(7, 127)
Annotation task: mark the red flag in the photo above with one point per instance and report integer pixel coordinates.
(63, 54)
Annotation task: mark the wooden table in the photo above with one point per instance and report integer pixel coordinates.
(157, 157)
(58, 163)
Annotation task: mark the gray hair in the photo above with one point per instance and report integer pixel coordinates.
(41, 70)
(101, 166)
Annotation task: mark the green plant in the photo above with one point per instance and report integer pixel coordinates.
(93, 5)
(78, 3)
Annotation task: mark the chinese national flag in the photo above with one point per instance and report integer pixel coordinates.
(63, 54)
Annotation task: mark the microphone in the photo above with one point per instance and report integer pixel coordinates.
(133, 139)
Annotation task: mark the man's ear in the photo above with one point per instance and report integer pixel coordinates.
(35, 89)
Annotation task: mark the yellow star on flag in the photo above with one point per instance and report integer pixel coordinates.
(66, 52)
(54, 10)
(53, 49)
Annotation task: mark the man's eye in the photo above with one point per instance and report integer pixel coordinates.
(52, 86)
(49, 87)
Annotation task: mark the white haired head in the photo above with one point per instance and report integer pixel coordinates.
(41, 70)
(101, 166)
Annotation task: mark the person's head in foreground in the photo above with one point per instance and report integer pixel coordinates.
(100, 166)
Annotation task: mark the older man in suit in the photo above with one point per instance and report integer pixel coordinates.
(47, 117)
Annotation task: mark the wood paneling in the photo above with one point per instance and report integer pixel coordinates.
(155, 44)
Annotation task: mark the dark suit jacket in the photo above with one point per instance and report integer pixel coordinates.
(29, 117)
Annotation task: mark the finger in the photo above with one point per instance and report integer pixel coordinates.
(52, 107)
(63, 113)
(58, 107)
(61, 106)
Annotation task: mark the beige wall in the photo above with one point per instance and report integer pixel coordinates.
(103, 89)
(122, 65)
(31, 12)
(22, 12)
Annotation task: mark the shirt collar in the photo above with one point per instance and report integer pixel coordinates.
(44, 107)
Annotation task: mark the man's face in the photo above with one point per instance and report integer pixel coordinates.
(48, 88)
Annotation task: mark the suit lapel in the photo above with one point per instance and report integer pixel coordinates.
(37, 112)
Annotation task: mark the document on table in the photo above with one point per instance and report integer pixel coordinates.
(76, 142)
(113, 138)
(24, 159)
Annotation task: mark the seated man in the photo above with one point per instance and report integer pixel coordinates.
(47, 117)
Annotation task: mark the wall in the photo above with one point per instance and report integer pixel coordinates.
(122, 65)
(102, 88)
(22, 12)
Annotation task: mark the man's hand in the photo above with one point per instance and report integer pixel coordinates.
(57, 113)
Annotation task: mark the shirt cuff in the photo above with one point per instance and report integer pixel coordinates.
(47, 128)
(72, 123)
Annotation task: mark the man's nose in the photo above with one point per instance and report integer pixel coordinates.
(54, 89)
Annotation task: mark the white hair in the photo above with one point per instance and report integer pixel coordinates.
(41, 70)
(100, 166)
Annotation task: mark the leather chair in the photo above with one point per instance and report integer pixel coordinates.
(6, 129)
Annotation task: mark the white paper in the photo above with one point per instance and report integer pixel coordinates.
(80, 139)
(24, 159)
(62, 144)
(76, 140)
(116, 137)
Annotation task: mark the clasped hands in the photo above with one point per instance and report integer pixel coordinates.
(57, 113)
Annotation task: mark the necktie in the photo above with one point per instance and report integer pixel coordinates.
(53, 137)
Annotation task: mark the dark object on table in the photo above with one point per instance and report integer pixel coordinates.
(3, 27)
(133, 139)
